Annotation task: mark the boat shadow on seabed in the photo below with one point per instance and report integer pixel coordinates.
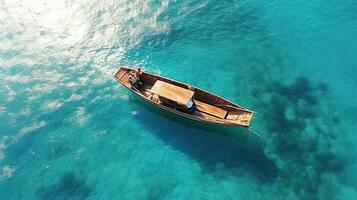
(233, 147)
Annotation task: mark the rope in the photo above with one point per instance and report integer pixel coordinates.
(257, 134)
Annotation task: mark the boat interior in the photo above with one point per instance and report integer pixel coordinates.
(175, 95)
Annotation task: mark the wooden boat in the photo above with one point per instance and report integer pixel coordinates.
(185, 100)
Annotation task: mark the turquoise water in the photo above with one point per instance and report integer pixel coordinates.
(69, 131)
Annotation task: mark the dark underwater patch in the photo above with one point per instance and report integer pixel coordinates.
(299, 142)
(68, 187)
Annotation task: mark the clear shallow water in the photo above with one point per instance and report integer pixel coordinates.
(68, 131)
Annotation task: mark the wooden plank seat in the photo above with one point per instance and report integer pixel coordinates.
(172, 92)
(212, 110)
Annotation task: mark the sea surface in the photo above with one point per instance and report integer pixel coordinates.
(69, 131)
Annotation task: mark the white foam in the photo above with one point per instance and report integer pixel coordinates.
(124, 97)
(43, 88)
(80, 115)
(3, 147)
(101, 98)
(75, 97)
(10, 93)
(70, 84)
(2, 109)
(7, 172)
(52, 105)
(25, 112)
(186, 10)
(98, 134)
(16, 78)
(28, 129)
(134, 112)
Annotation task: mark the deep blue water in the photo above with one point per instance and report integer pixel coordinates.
(69, 131)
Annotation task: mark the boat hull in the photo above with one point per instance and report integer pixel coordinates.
(218, 129)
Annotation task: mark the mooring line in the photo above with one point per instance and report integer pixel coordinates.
(257, 134)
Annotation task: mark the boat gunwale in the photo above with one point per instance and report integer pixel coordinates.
(211, 93)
